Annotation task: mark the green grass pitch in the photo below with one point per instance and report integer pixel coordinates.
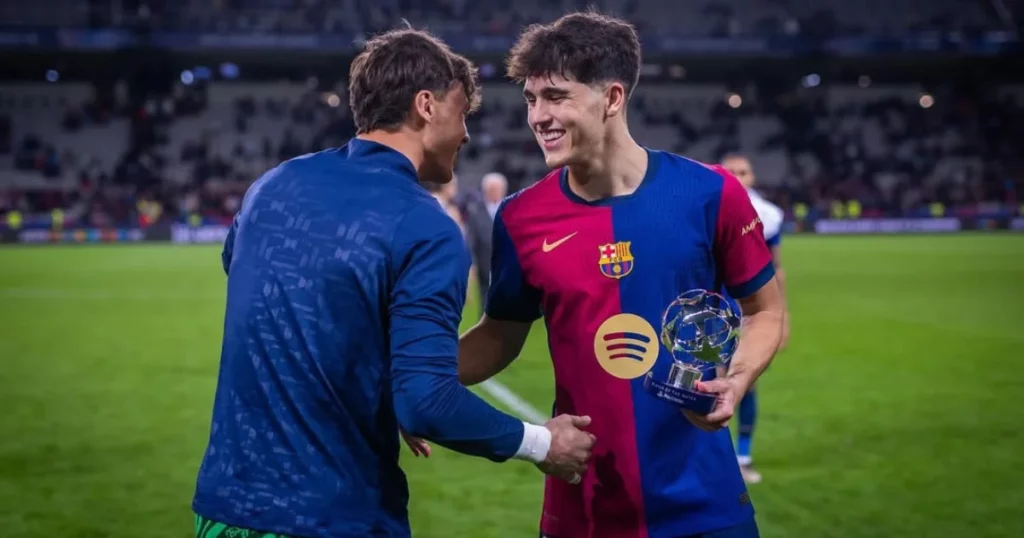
(896, 411)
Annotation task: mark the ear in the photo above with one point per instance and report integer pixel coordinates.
(615, 99)
(424, 106)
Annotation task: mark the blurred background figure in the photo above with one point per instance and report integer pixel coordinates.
(480, 213)
(771, 222)
(446, 195)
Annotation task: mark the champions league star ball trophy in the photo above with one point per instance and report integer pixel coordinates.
(701, 331)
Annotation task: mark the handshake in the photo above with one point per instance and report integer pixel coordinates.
(570, 448)
(567, 453)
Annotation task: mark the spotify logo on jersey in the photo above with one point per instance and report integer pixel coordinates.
(626, 346)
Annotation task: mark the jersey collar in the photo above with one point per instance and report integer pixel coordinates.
(653, 159)
(388, 157)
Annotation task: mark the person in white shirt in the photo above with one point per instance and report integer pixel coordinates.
(479, 224)
(494, 187)
(771, 220)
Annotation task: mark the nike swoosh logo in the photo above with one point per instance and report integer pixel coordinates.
(548, 247)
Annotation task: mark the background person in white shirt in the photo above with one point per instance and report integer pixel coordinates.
(771, 220)
(479, 223)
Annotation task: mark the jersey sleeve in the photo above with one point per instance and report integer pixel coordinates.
(741, 254)
(432, 269)
(510, 296)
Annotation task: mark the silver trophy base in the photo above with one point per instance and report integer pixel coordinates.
(683, 376)
(679, 388)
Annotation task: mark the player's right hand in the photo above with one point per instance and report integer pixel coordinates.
(728, 393)
(570, 447)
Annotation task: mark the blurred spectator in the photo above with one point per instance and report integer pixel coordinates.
(826, 151)
(480, 213)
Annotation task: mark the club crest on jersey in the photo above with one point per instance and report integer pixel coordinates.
(616, 260)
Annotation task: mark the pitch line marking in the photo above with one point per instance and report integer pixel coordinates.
(513, 401)
(494, 388)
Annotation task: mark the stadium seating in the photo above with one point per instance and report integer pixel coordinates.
(894, 148)
(712, 17)
(870, 143)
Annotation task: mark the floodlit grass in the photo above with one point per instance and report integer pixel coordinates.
(895, 411)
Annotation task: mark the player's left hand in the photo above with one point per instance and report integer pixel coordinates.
(418, 446)
(729, 394)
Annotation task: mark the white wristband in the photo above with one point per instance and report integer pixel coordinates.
(535, 445)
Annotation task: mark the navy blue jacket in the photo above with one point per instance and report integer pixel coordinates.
(346, 282)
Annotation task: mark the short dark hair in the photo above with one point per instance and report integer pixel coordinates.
(396, 65)
(587, 47)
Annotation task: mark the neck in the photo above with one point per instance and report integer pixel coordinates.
(616, 169)
(400, 140)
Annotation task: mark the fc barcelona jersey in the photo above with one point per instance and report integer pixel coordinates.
(602, 273)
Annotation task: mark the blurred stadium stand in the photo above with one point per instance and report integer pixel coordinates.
(713, 17)
(125, 127)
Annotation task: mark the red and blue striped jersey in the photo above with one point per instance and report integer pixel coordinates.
(601, 274)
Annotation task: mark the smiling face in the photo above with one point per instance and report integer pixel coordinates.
(577, 72)
(568, 118)
(444, 133)
(410, 80)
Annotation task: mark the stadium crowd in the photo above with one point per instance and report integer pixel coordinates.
(819, 149)
(711, 18)
(189, 158)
